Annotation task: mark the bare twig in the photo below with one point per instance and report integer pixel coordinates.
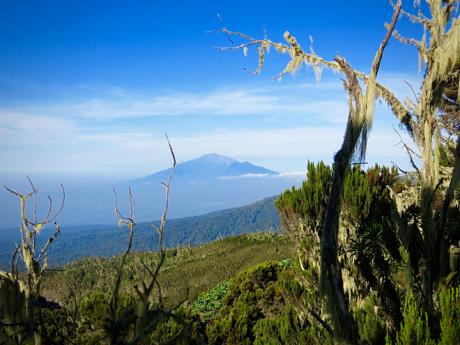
(411, 41)
(48, 220)
(44, 252)
(420, 18)
(26, 196)
(14, 260)
(166, 186)
(131, 223)
(412, 89)
(302, 57)
(147, 285)
(409, 151)
(34, 190)
(405, 172)
(390, 30)
(323, 323)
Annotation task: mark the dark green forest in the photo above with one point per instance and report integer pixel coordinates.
(81, 241)
(367, 254)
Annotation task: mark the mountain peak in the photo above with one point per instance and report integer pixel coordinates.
(210, 166)
(215, 157)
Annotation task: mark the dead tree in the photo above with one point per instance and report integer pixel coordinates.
(144, 321)
(35, 261)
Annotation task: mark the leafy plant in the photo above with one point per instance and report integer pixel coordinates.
(209, 303)
(415, 329)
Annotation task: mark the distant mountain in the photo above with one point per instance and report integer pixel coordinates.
(76, 242)
(209, 166)
(209, 183)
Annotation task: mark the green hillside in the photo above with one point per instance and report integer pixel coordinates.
(194, 268)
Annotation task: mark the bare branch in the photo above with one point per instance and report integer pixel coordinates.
(242, 46)
(161, 227)
(117, 211)
(25, 196)
(34, 190)
(323, 323)
(14, 260)
(390, 30)
(234, 33)
(412, 89)
(409, 151)
(130, 221)
(352, 81)
(44, 252)
(420, 18)
(411, 41)
(48, 218)
(301, 56)
(48, 214)
(60, 208)
(160, 294)
(166, 191)
(405, 172)
(132, 205)
(147, 268)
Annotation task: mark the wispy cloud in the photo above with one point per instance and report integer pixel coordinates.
(274, 100)
(80, 137)
(295, 175)
(324, 99)
(244, 176)
(138, 152)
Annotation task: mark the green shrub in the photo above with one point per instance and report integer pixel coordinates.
(94, 317)
(55, 326)
(450, 317)
(179, 328)
(253, 296)
(256, 311)
(414, 328)
(288, 329)
(368, 245)
(209, 303)
(371, 329)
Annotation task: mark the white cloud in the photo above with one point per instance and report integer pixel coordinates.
(274, 100)
(324, 100)
(236, 177)
(295, 175)
(24, 130)
(65, 147)
(36, 138)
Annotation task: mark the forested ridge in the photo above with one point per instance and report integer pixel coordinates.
(107, 240)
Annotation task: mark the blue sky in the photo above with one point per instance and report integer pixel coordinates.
(90, 87)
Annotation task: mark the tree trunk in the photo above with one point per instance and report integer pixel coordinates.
(331, 284)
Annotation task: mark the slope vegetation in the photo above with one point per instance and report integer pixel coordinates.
(195, 269)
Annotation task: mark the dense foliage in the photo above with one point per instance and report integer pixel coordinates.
(376, 255)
